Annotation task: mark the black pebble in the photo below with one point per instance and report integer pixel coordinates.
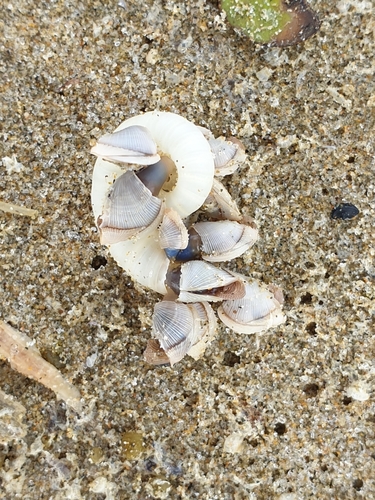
(98, 261)
(344, 211)
(231, 359)
(280, 428)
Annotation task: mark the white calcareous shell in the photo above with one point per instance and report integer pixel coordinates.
(201, 281)
(143, 260)
(256, 312)
(225, 240)
(179, 139)
(132, 144)
(178, 327)
(130, 209)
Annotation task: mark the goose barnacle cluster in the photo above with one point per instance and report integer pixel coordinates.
(167, 220)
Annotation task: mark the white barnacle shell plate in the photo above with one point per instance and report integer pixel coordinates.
(228, 155)
(142, 211)
(172, 231)
(133, 145)
(201, 281)
(141, 257)
(224, 240)
(219, 203)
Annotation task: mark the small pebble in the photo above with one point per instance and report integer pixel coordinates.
(98, 261)
(132, 445)
(344, 211)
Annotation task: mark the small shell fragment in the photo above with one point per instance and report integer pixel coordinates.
(256, 312)
(132, 144)
(234, 442)
(359, 390)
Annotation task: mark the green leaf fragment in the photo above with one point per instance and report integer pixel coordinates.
(261, 20)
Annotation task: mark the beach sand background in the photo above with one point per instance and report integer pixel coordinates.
(291, 419)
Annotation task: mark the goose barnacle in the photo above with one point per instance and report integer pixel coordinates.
(132, 144)
(216, 241)
(173, 234)
(197, 280)
(181, 329)
(225, 240)
(228, 155)
(130, 208)
(257, 311)
(220, 205)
